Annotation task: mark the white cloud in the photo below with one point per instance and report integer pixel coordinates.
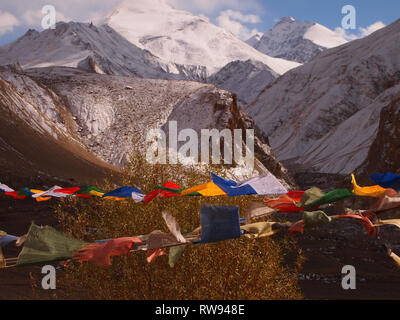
(76, 10)
(33, 18)
(232, 21)
(215, 6)
(29, 12)
(345, 34)
(372, 28)
(7, 22)
(361, 32)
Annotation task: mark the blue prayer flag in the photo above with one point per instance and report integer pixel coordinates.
(386, 180)
(219, 223)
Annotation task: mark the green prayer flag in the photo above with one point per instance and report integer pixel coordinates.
(86, 190)
(45, 244)
(330, 197)
(174, 254)
(315, 219)
(169, 189)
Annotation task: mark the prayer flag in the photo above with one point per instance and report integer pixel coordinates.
(219, 223)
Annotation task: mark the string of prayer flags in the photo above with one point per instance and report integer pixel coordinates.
(309, 196)
(158, 239)
(330, 197)
(285, 203)
(168, 189)
(17, 194)
(386, 180)
(89, 192)
(5, 188)
(372, 191)
(282, 201)
(315, 219)
(124, 193)
(310, 220)
(386, 203)
(257, 210)
(101, 254)
(52, 192)
(263, 229)
(209, 189)
(219, 223)
(263, 185)
(68, 191)
(45, 244)
(368, 226)
(267, 184)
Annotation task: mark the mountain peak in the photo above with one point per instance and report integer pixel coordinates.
(184, 38)
(296, 40)
(286, 20)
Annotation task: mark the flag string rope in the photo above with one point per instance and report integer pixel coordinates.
(218, 223)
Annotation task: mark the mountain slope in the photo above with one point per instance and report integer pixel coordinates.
(244, 78)
(96, 49)
(34, 139)
(384, 153)
(296, 40)
(302, 108)
(183, 38)
(113, 114)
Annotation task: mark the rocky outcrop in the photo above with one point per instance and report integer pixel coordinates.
(384, 153)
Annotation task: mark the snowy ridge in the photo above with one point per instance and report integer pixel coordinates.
(244, 78)
(96, 49)
(183, 38)
(310, 113)
(296, 40)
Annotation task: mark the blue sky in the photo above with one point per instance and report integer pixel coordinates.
(241, 17)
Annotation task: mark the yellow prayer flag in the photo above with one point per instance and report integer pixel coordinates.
(209, 189)
(372, 191)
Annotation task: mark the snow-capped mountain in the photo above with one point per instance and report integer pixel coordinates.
(180, 37)
(244, 78)
(252, 41)
(324, 114)
(97, 49)
(296, 40)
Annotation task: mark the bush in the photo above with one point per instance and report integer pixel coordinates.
(236, 269)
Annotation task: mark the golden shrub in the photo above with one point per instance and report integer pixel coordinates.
(235, 269)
